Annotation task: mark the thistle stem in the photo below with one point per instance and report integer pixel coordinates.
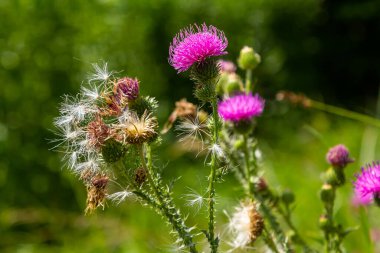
(164, 205)
(247, 166)
(290, 224)
(248, 81)
(214, 243)
(269, 241)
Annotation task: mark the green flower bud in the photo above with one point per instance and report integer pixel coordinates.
(142, 104)
(327, 193)
(112, 151)
(287, 197)
(248, 58)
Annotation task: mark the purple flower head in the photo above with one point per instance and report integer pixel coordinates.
(195, 44)
(338, 156)
(227, 66)
(128, 87)
(367, 184)
(241, 107)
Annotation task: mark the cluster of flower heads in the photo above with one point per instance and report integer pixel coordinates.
(97, 126)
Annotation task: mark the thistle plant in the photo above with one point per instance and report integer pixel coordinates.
(108, 132)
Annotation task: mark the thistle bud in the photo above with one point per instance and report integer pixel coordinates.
(248, 58)
(287, 197)
(327, 193)
(112, 151)
(127, 87)
(143, 104)
(338, 156)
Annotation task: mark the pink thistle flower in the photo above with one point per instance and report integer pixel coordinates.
(195, 44)
(241, 107)
(367, 184)
(338, 156)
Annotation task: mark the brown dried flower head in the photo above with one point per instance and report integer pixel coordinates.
(139, 130)
(97, 132)
(96, 192)
(256, 223)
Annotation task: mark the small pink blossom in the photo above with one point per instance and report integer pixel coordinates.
(338, 156)
(241, 107)
(195, 44)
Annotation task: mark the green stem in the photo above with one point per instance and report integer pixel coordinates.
(247, 166)
(248, 81)
(298, 238)
(164, 204)
(269, 241)
(211, 187)
(345, 113)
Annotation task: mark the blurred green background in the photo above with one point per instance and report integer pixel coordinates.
(325, 49)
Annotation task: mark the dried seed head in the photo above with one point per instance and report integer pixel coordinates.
(97, 132)
(112, 106)
(140, 176)
(246, 225)
(256, 223)
(139, 130)
(96, 192)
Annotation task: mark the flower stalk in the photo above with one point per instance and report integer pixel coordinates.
(214, 242)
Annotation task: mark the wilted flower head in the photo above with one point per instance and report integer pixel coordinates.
(241, 107)
(338, 156)
(195, 44)
(367, 184)
(246, 225)
(138, 130)
(97, 132)
(128, 87)
(227, 66)
(96, 192)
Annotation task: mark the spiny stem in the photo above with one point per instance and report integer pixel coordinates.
(211, 187)
(164, 203)
(269, 241)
